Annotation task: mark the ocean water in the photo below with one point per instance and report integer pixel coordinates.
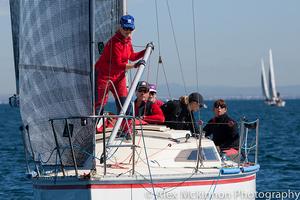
(279, 149)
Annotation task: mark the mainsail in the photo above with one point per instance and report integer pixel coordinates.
(264, 83)
(272, 77)
(55, 70)
(107, 16)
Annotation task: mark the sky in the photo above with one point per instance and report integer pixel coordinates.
(231, 38)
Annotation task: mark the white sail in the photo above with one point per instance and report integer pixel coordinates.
(264, 83)
(272, 77)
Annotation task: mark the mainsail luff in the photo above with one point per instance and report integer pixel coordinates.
(15, 21)
(272, 76)
(55, 72)
(264, 83)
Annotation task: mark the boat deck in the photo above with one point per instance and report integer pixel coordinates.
(168, 152)
(162, 152)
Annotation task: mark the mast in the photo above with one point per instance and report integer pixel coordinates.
(131, 91)
(272, 76)
(124, 7)
(264, 83)
(92, 51)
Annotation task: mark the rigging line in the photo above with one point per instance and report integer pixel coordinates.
(167, 83)
(159, 52)
(215, 186)
(150, 174)
(195, 53)
(157, 27)
(195, 45)
(139, 46)
(130, 155)
(110, 41)
(157, 72)
(158, 40)
(177, 50)
(148, 70)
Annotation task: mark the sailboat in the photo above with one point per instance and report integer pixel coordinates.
(69, 160)
(272, 97)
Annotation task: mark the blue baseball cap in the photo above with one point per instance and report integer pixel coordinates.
(127, 21)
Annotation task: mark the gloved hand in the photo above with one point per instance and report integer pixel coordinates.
(140, 62)
(150, 44)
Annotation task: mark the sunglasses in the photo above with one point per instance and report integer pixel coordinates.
(143, 90)
(220, 106)
(152, 93)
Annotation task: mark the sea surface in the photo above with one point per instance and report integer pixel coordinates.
(279, 147)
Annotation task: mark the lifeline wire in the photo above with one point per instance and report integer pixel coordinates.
(150, 174)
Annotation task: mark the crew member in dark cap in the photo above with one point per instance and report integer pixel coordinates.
(223, 129)
(113, 63)
(179, 114)
(145, 109)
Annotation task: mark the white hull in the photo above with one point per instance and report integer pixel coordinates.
(276, 103)
(239, 186)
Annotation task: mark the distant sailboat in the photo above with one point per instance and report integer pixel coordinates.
(272, 97)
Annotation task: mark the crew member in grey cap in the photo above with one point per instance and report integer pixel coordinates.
(179, 114)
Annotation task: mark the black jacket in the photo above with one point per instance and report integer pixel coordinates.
(178, 116)
(224, 131)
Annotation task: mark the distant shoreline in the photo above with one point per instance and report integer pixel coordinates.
(4, 100)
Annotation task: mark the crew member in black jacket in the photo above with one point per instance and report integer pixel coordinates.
(179, 114)
(223, 129)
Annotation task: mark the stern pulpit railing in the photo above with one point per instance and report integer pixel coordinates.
(248, 145)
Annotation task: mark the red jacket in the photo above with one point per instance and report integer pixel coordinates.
(159, 102)
(151, 112)
(117, 51)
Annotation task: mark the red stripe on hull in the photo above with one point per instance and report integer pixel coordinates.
(145, 185)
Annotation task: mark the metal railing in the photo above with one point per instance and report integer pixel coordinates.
(106, 146)
(247, 131)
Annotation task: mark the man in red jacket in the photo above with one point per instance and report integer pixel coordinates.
(113, 64)
(145, 109)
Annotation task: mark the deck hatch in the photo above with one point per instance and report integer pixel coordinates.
(209, 154)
